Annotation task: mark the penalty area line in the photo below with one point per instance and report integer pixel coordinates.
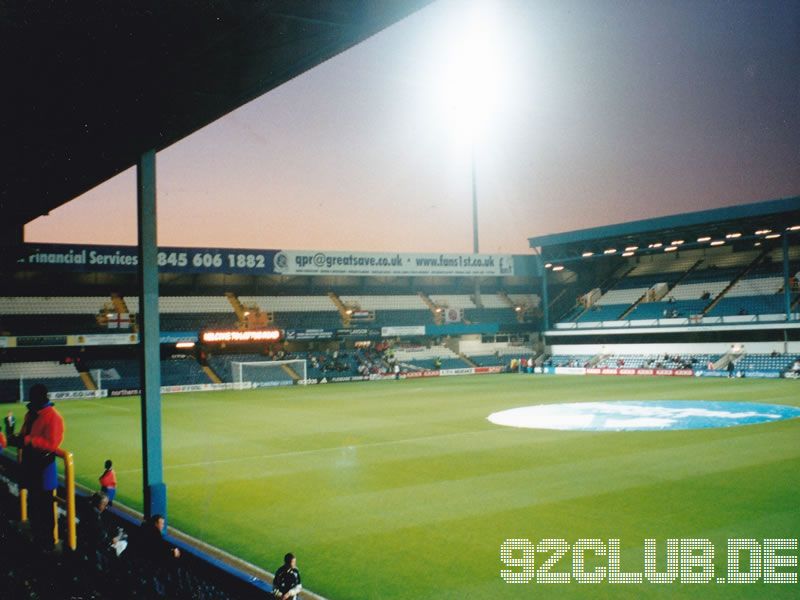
(323, 450)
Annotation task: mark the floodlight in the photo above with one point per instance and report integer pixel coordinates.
(470, 78)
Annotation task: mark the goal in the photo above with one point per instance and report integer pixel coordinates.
(267, 373)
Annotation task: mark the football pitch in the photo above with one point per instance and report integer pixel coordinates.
(403, 489)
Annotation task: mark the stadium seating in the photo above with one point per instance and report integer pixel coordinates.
(748, 362)
(222, 366)
(74, 315)
(123, 373)
(426, 358)
(766, 362)
(719, 284)
(57, 315)
(57, 376)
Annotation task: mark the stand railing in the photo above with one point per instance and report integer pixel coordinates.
(68, 501)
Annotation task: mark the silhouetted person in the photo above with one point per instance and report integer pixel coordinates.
(41, 435)
(152, 545)
(10, 423)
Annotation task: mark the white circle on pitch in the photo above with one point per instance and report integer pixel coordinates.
(655, 415)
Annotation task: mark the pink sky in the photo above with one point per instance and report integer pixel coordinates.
(615, 113)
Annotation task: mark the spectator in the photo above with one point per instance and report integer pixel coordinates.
(151, 542)
(10, 423)
(96, 541)
(108, 482)
(287, 579)
(41, 435)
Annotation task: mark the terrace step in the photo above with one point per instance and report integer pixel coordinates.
(211, 374)
(671, 287)
(735, 280)
(290, 372)
(436, 310)
(88, 381)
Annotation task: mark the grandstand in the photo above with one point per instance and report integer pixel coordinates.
(689, 294)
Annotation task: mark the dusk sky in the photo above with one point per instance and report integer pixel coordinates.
(606, 112)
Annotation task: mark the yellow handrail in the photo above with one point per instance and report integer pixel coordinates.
(69, 501)
(69, 487)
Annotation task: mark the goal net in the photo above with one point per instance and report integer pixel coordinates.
(269, 373)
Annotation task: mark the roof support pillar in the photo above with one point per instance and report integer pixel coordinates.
(787, 288)
(545, 295)
(155, 491)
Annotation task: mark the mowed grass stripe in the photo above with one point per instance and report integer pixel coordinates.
(391, 489)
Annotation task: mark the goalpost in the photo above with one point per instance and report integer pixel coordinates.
(267, 373)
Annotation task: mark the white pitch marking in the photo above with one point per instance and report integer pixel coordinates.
(321, 450)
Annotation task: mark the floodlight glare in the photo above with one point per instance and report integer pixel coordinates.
(471, 79)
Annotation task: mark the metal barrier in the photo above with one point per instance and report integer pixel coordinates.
(68, 501)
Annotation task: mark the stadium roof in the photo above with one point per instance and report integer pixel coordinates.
(735, 222)
(91, 85)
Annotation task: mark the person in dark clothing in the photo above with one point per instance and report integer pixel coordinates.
(40, 437)
(286, 583)
(10, 423)
(730, 369)
(92, 532)
(152, 545)
(96, 540)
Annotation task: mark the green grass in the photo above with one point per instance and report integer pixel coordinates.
(404, 490)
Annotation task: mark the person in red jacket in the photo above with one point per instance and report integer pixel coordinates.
(41, 435)
(3, 442)
(108, 482)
